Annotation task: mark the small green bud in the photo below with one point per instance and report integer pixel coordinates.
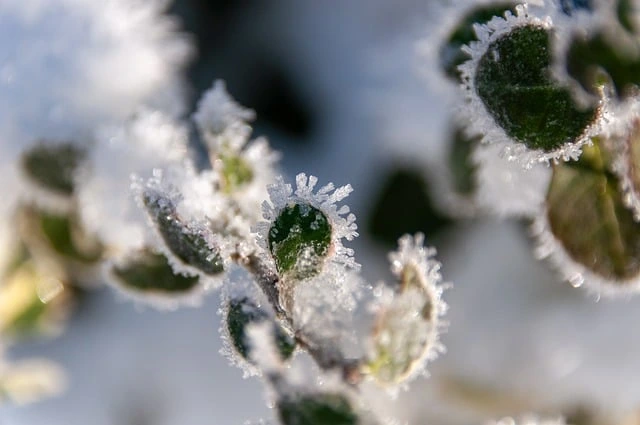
(586, 213)
(152, 272)
(316, 409)
(513, 80)
(242, 312)
(451, 54)
(53, 166)
(300, 240)
(235, 172)
(187, 243)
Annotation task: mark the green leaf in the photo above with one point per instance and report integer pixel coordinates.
(66, 237)
(316, 409)
(513, 80)
(451, 54)
(587, 58)
(299, 240)
(187, 243)
(235, 172)
(587, 215)
(243, 312)
(152, 272)
(53, 166)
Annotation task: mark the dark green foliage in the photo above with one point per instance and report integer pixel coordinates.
(588, 58)
(241, 313)
(152, 272)
(404, 206)
(53, 166)
(65, 238)
(513, 80)
(299, 240)
(316, 409)
(587, 215)
(186, 243)
(451, 55)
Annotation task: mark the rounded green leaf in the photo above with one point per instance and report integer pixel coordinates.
(451, 54)
(53, 166)
(241, 313)
(513, 80)
(586, 213)
(187, 243)
(152, 272)
(300, 240)
(316, 409)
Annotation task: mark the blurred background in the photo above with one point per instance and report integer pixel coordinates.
(339, 89)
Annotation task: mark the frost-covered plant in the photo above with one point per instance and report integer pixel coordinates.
(548, 127)
(290, 287)
(72, 71)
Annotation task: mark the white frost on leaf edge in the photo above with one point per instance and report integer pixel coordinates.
(481, 122)
(411, 252)
(549, 248)
(160, 300)
(324, 199)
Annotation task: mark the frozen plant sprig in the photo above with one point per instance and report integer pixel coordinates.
(291, 287)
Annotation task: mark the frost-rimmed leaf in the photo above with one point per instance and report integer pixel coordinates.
(316, 409)
(587, 232)
(238, 314)
(148, 277)
(61, 234)
(189, 244)
(53, 166)
(408, 317)
(624, 135)
(508, 97)
(288, 209)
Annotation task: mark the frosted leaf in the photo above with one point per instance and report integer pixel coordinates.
(600, 46)
(307, 216)
(242, 313)
(624, 135)
(593, 239)
(221, 120)
(505, 188)
(53, 166)
(511, 99)
(148, 277)
(190, 245)
(29, 381)
(316, 409)
(408, 318)
(106, 205)
(60, 235)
